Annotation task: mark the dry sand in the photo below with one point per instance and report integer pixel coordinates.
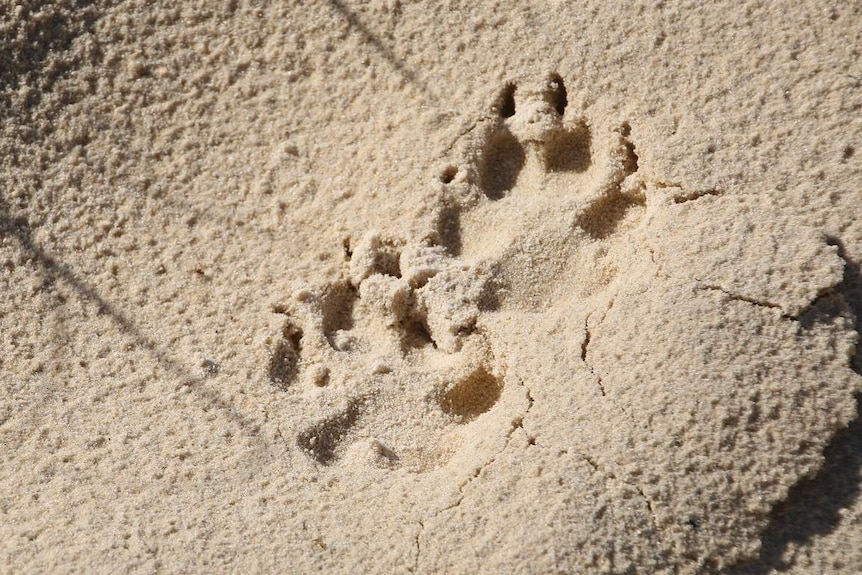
(393, 287)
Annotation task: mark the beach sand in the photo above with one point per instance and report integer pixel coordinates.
(392, 287)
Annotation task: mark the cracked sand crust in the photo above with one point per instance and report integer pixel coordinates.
(554, 309)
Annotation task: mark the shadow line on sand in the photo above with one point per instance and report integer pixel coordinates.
(59, 271)
(378, 45)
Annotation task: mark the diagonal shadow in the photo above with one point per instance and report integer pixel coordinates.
(813, 506)
(378, 45)
(59, 271)
(35, 32)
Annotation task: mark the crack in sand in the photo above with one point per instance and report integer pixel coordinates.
(696, 196)
(687, 197)
(742, 298)
(597, 467)
(517, 423)
(588, 338)
(418, 542)
(823, 293)
(767, 304)
(584, 348)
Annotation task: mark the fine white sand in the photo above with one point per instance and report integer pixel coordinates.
(392, 287)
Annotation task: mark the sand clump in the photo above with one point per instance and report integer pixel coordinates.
(408, 288)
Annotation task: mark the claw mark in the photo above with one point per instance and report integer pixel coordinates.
(505, 105)
(557, 94)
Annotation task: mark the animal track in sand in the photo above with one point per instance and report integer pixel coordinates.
(397, 333)
(400, 329)
(556, 293)
(543, 197)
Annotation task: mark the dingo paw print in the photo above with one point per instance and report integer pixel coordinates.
(398, 333)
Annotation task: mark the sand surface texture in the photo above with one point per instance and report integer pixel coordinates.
(393, 287)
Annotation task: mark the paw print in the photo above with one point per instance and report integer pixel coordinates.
(559, 305)
(398, 332)
(542, 196)
(636, 290)
(403, 329)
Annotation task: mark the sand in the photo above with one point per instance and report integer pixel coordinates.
(391, 287)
